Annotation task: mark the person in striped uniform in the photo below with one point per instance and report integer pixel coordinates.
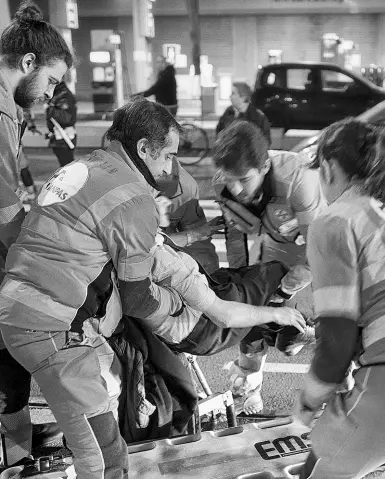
(268, 198)
(346, 253)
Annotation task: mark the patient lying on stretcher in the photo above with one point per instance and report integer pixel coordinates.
(217, 311)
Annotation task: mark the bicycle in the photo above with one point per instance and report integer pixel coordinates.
(193, 144)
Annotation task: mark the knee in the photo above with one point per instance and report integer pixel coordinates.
(15, 383)
(111, 443)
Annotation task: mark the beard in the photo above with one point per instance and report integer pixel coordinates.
(27, 91)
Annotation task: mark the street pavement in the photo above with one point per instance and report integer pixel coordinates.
(283, 375)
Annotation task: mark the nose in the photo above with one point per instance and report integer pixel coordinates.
(168, 166)
(48, 94)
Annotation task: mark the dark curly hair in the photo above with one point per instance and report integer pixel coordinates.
(29, 33)
(240, 147)
(359, 149)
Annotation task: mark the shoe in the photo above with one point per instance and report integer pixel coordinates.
(44, 434)
(251, 403)
(301, 340)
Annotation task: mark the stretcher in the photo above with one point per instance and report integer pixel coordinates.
(268, 450)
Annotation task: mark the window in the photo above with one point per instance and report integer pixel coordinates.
(300, 79)
(335, 81)
(274, 78)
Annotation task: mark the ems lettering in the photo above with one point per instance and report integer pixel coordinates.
(282, 447)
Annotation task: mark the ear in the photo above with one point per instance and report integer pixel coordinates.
(326, 171)
(141, 147)
(266, 167)
(28, 63)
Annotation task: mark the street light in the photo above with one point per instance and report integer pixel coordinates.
(116, 41)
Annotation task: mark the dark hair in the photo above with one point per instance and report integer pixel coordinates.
(243, 89)
(29, 33)
(141, 118)
(240, 147)
(358, 147)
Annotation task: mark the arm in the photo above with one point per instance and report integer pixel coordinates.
(333, 261)
(230, 314)
(225, 119)
(307, 202)
(192, 226)
(62, 110)
(9, 151)
(153, 90)
(306, 197)
(130, 241)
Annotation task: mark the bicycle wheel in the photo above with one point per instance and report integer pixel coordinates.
(105, 141)
(193, 144)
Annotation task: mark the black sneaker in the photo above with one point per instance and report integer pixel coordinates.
(44, 434)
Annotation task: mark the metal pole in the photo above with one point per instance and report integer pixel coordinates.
(119, 77)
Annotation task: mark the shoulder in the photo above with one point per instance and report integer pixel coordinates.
(331, 232)
(188, 183)
(287, 165)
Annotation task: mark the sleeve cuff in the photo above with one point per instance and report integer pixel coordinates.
(315, 391)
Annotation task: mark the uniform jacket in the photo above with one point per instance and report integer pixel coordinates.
(11, 128)
(11, 208)
(186, 213)
(94, 218)
(295, 190)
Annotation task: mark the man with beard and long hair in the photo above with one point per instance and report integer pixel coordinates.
(33, 59)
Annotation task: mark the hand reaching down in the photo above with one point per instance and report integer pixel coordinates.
(289, 317)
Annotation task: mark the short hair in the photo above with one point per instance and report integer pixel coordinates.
(240, 147)
(243, 89)
(358, 147)
(141, 118)
(29, 33)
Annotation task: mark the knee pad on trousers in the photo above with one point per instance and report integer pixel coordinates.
(15, 384)
(112, 445)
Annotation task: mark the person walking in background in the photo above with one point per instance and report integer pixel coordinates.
(165, 89)
(242, 109)
(62, 108)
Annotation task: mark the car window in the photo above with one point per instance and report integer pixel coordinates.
(300, 79)
(273, 78)
(335, 81)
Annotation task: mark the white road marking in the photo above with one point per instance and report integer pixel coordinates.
(294, 368)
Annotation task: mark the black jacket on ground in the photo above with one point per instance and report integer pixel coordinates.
(152, 373)
(165, 87)
(251, 114)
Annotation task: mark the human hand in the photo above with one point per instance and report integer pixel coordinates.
(204, 232)
(304, 412)
(239, 216)
(289, 317)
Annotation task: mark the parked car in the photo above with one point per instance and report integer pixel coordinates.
(375, 115)
(311, 96)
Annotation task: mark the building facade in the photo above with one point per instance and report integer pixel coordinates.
(236, 37)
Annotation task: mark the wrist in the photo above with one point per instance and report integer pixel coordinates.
(188, 238)
(283, 294)
(306, 404)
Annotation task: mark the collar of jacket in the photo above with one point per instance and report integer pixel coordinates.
(116, 148)
(7, 102)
